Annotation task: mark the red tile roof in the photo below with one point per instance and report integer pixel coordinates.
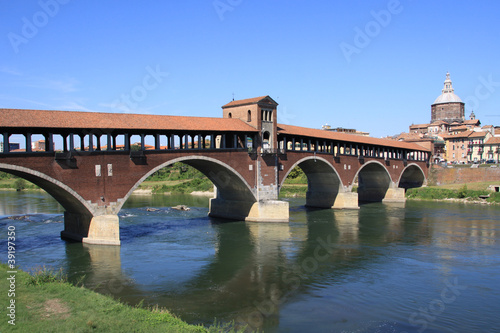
(409, 137)
(96, 120)
(248, 101)
(464, 134)
(493, 141)
(460, 128)
(317, 133)
(478, 134)
(420, 126)
(471, 121)
(439, 122)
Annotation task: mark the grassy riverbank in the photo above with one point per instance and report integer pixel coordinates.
(177, 178)
(8, 181)
(45, 302)
(464, 192)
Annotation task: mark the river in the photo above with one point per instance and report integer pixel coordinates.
(418, 267)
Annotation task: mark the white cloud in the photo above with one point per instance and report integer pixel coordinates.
(21, 80)
(23, 101)
(10, 71)
(60, 85)
(120, 107)
(74, 106)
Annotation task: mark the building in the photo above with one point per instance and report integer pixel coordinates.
(469, 146)
(476, 149)
(38, 145)
(448, 107)
(327, 127)
(260, 113)
(492, 149)
(456, 146)
(12, 146)
(454, 139)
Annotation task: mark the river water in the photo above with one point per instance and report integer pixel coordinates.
(418, 267)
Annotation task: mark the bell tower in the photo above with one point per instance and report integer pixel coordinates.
(260, 113)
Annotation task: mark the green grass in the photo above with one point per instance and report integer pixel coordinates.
(45, 302)
(177, 178)
(440, 193)
(293, 190)
(296, 176)
(494, 198)
(44, 275)
(187, 186)
(478, 186)
(12, 182)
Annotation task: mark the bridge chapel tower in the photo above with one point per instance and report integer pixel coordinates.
(260, 113)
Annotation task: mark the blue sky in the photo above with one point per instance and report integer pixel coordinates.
(376, 66)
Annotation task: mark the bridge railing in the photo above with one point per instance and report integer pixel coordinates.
(359, 150)
(115, 141)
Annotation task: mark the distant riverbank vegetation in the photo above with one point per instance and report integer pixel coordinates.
(472, 192)
(46, 302)
(8, 181)
(177, 178)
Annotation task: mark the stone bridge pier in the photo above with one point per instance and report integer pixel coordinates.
(84, 221)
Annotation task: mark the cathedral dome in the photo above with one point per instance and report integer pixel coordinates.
(447, 98)
(447, 95)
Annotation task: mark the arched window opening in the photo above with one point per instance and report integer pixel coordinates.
(266, 140)
(249, 116)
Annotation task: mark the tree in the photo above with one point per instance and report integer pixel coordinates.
(20, 184)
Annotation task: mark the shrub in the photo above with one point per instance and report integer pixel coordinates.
(296, 176)
(429, 193)
(20, 184)
(43, 275)
(462, 192)
(494, 197)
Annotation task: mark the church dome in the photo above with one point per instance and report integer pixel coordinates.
(447, 95)
(447, 98)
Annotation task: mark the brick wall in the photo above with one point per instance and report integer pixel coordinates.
(442, 176)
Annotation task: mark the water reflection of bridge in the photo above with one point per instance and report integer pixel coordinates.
(258, 268)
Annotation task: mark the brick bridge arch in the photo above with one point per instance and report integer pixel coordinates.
(228, 181)
(82, 218)
(96, 185)
(412, 176)
(62, 193)
(323, 181)
(330, 187)
(374, 180)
